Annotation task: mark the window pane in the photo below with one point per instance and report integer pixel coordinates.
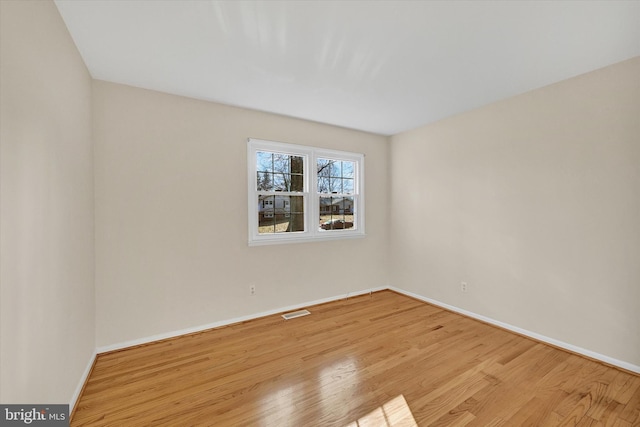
(266, 217)
(296, 164)
(345, 205)
(280, 214)
(264, 161)
(264, 181)
(323, 185)
(297, 213)
(279, 182)
(297, 183)
(334, 168)
(347, 169)
(335, 185)
(324, 167)
(347, 186)
(281, 163)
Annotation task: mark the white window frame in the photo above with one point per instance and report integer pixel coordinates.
(310, 193)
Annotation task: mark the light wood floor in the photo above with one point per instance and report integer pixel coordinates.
(383, 360)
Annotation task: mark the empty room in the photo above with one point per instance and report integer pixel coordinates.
(319, 213)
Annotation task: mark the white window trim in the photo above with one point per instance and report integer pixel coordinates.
(312, 232)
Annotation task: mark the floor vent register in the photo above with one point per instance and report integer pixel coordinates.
(294, 314)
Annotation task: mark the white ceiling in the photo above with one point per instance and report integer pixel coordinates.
(378, 66)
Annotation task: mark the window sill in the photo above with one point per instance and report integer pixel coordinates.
(306, 239)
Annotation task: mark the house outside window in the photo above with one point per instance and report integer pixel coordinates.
(300, 193)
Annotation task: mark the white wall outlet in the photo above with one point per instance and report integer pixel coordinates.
(252, 289)
(463, 286)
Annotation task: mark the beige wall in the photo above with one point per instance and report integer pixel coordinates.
(171, 216)
(535, 202)
(47, 309)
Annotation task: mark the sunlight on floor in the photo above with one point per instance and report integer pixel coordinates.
(280, 405)
(338, 381)
(394, 413)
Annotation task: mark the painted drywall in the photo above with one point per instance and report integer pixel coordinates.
(535, 203)
(47, 314)
(171, 216)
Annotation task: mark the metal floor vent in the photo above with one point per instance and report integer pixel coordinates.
(294, 314)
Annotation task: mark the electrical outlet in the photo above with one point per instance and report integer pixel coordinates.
(252, 289)
(463, 286)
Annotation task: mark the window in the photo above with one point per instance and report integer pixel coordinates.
(299, 193)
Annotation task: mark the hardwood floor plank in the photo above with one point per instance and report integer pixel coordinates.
(366, 360)
(535, 410)
(631, 411)
(453, 418)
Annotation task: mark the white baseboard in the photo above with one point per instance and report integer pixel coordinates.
(147, 340)
(81, 383)
(536, 336)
